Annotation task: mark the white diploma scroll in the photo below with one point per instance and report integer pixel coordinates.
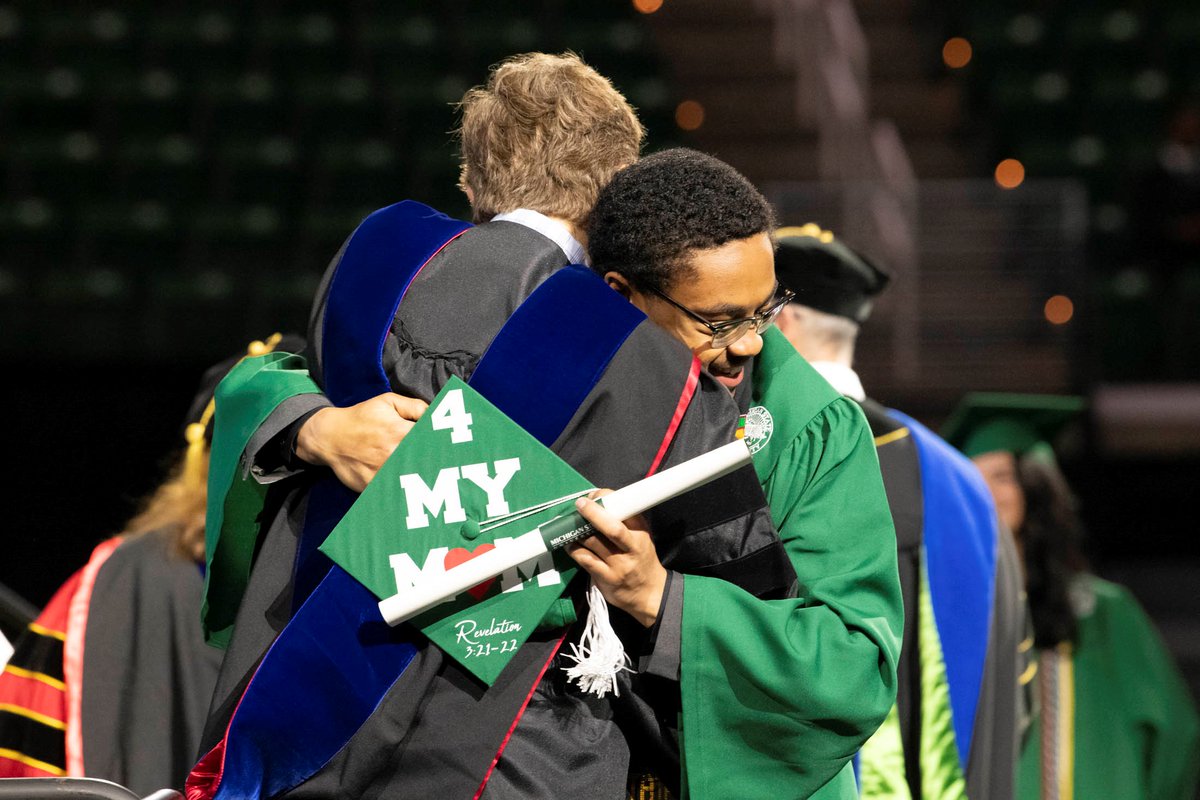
(561, 531)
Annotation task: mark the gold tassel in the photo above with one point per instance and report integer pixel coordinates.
(648, 787)
(809, 229)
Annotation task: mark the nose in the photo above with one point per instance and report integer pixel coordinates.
(746, 347)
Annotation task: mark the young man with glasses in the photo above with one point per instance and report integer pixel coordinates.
(775, 696)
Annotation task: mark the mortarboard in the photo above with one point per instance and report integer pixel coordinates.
(826, 274)
(467, 481)
(985, 422)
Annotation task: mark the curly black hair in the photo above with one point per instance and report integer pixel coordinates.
(654, 213)
(1051, 538)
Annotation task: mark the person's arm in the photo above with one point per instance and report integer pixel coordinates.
(251, 392)
(789, 689)
(270, 454)
(355, 441)
(1172, 755)
(621, 561)
(309, 431)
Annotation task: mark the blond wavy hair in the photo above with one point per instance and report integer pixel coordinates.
(176, 508)
(546, 132)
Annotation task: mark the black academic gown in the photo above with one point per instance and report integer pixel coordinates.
(565, 745)
(991, 763)
(147, 673)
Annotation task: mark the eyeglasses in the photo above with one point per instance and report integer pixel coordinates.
(727, 332)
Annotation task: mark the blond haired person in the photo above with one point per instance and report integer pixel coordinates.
(538, 142)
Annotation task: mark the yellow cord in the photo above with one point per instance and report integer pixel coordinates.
(809, 229)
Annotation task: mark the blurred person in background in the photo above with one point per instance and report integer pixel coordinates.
(955, 729)
(113, 678)
(1116, 719)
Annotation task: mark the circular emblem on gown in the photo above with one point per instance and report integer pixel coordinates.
(759, 427)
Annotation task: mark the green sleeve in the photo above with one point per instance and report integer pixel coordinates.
(246, 397)
(778, 695)
(1158, 695)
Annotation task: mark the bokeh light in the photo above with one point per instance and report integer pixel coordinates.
(956, 52)
(689, 115)
(1059, 309)
(647, 6)
(1010, 173)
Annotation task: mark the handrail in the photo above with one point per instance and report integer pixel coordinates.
(74, 789)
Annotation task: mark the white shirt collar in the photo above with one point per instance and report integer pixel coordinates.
(842, 378)
(552, 229)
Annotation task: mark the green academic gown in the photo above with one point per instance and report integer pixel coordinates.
(1126, 727)
(779, 695)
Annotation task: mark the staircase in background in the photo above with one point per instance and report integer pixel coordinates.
(972, 265)
(722, 53)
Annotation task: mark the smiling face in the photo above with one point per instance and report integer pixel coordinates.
(732, 281)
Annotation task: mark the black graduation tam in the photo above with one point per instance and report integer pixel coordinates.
(985, 422)
(200, 411)
(826, 274)
(197, 426)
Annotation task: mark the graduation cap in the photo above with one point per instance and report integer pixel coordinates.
(826, 274)
(985, 422)
(465, 480)
(470, 486)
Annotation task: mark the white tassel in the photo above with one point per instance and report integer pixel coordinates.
(599, 656)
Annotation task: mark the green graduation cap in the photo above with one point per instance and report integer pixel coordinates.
(465, 480)
(985, 422)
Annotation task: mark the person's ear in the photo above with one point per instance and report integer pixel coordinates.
(619, 284)
(786, 322)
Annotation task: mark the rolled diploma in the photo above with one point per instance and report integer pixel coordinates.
(561, 531)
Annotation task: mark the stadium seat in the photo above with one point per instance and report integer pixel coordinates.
(1130, 328)
(198, 38)
(258, 170)
(87, 312)
(315, 39)
(250, 102)
(162, 165)
(145, 100)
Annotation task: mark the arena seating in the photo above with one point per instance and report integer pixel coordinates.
(158, 159)
(1084, 90)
